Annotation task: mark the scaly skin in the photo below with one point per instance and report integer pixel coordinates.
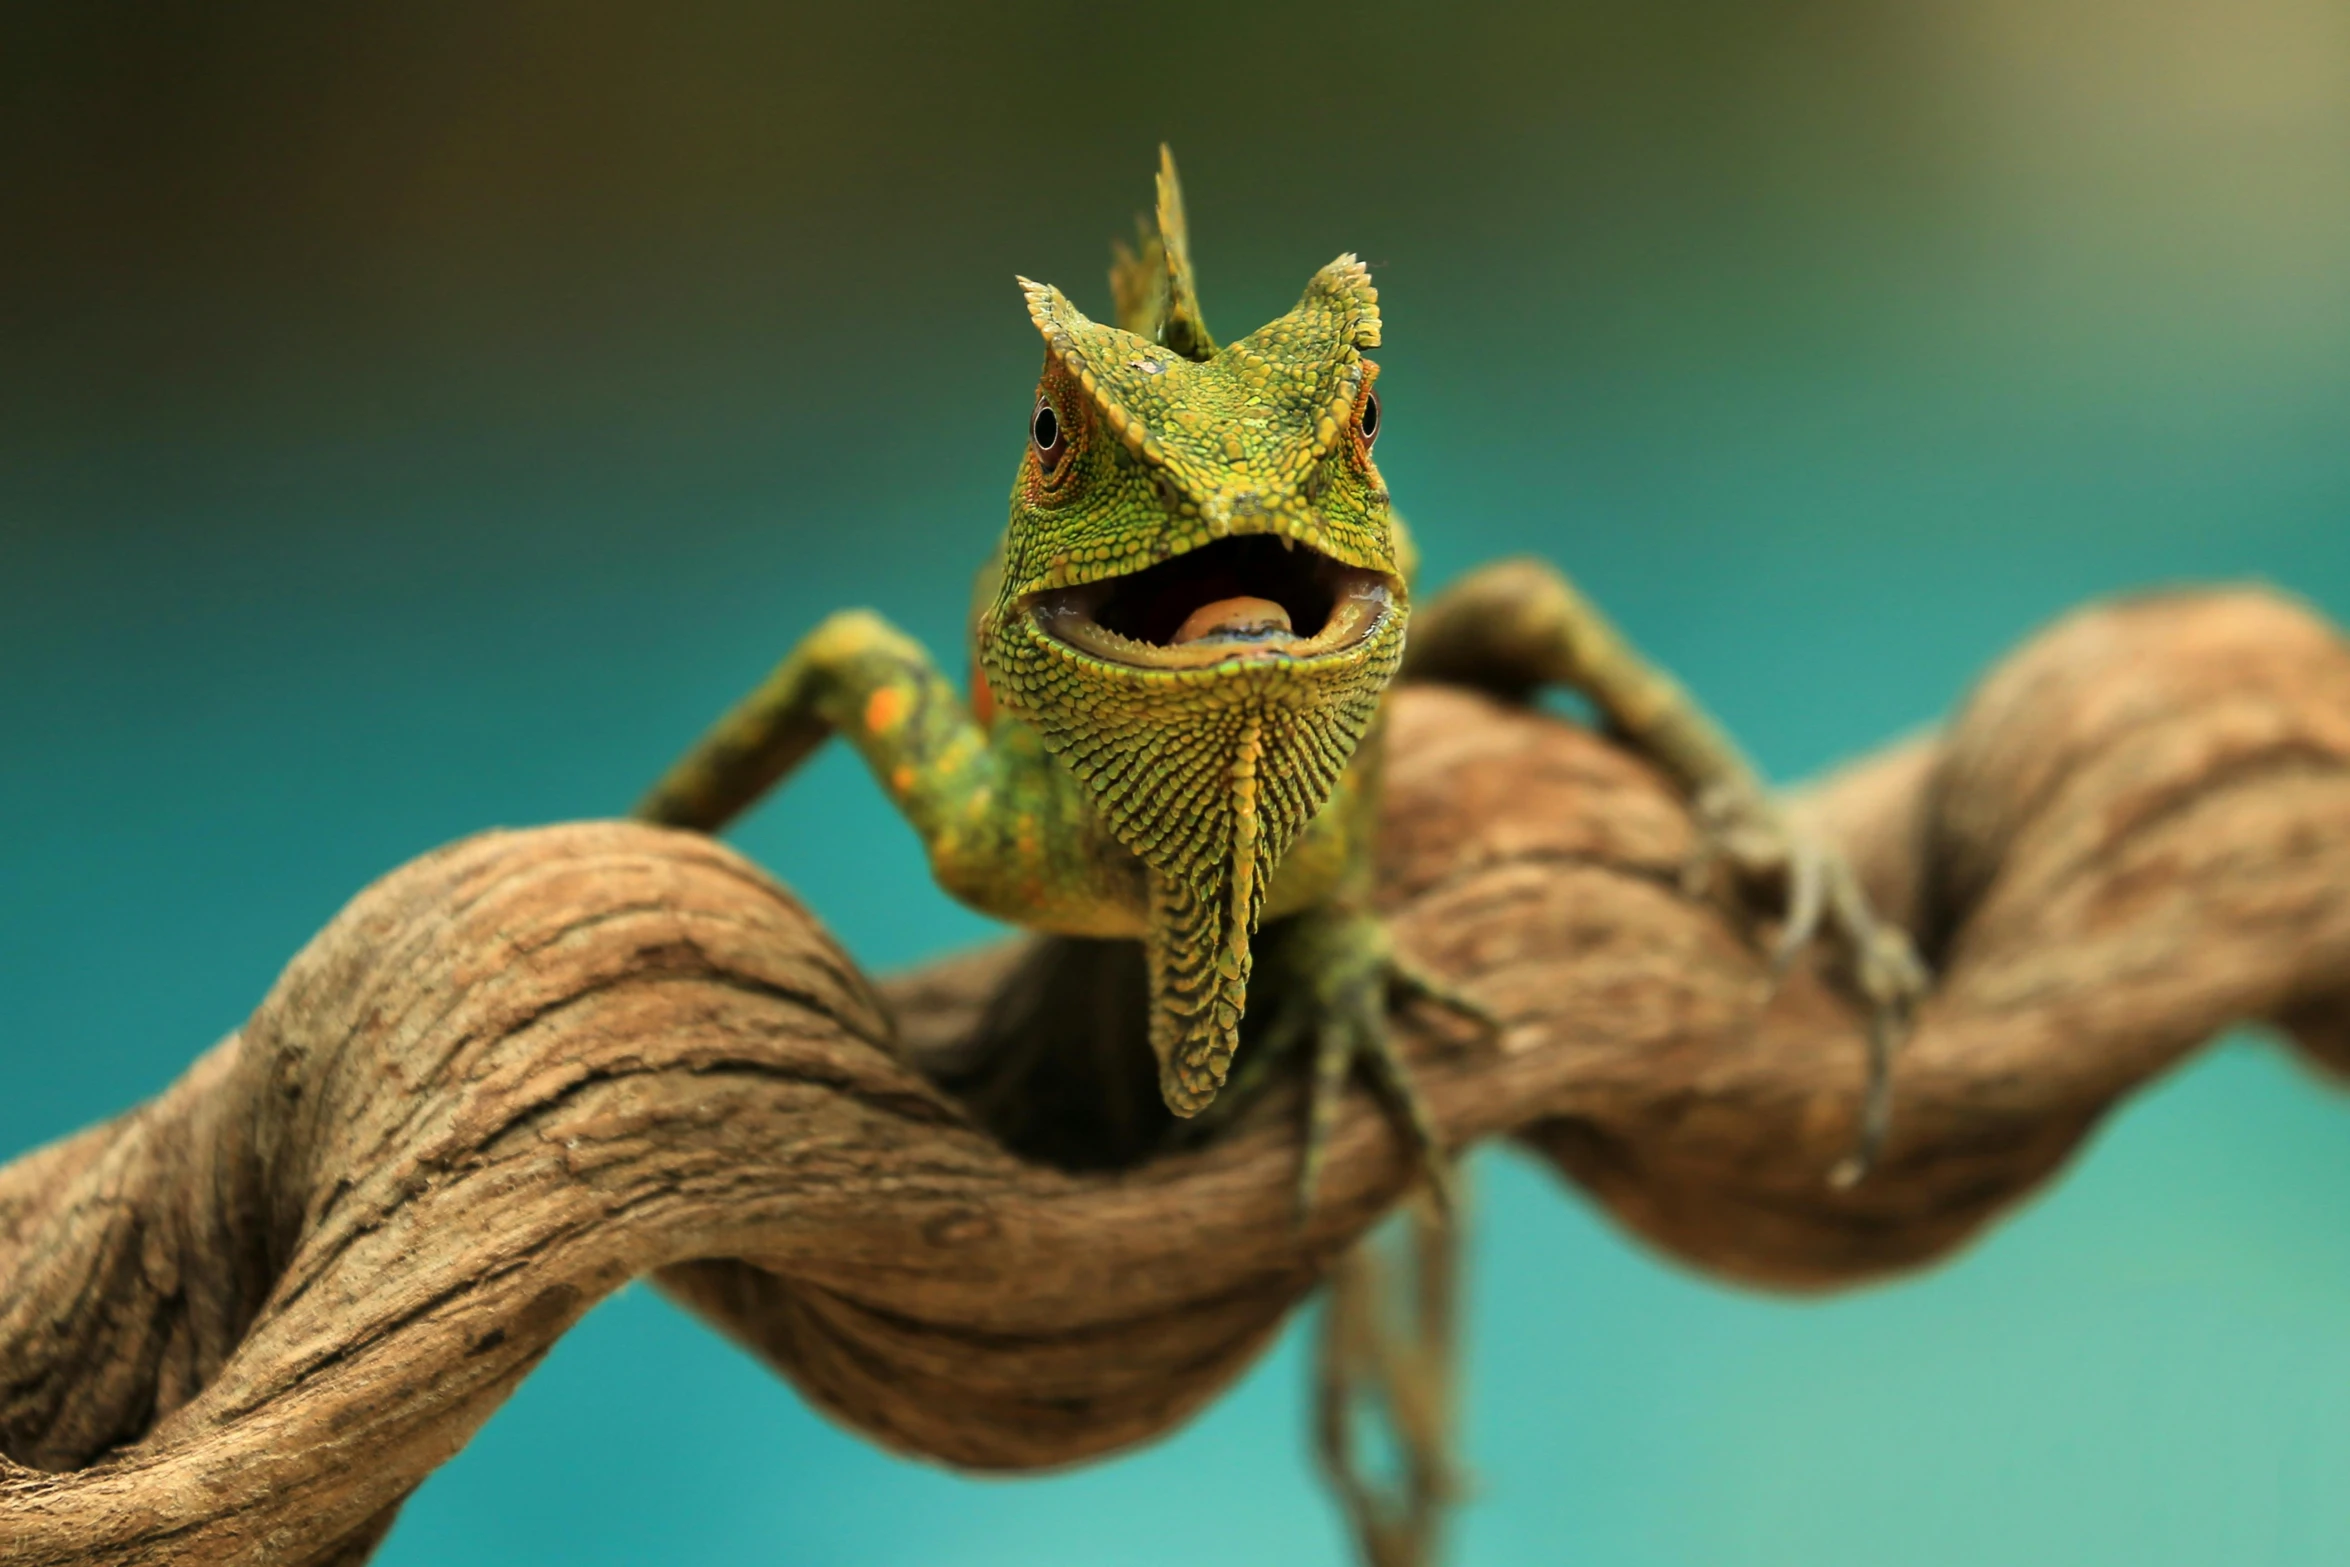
(1182, 644)
(1180, 755)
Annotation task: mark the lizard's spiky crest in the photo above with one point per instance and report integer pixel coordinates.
(1138, 282)
(1185, 330)
(1153, 286)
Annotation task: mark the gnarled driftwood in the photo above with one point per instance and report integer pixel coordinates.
(240, 1323)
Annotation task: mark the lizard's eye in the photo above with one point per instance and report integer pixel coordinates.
(1369, 422)
(1052, 442)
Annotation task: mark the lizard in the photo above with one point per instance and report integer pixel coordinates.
(1172, 734)
(1172, 729)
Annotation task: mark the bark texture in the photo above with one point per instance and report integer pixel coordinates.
(241, 1322)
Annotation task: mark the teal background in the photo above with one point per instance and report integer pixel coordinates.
(419, 418)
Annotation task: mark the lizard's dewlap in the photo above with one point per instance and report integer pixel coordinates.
(1207, 770)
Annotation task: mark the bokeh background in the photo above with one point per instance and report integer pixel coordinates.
(420, 418)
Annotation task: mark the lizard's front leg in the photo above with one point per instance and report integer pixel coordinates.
(855, 674)
(1518, 625)
(1004, 828)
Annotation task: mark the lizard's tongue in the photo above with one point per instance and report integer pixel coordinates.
(1238, 619)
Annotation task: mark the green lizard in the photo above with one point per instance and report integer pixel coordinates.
(1182, 642)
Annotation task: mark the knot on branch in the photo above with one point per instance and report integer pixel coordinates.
(241, 1322)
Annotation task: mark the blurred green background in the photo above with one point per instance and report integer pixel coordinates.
(419, 418)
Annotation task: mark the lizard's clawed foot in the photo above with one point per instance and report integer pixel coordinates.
(1821, 901)
(1336, 972)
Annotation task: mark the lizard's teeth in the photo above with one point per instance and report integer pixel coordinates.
(1238, 619)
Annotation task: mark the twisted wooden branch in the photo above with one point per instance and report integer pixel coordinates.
(241, 1323)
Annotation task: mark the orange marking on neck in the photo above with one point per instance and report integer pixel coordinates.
(982, 696)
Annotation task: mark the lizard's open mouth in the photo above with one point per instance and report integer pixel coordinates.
(1247, 597)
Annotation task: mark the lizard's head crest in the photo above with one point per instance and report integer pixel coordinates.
(1200, 597)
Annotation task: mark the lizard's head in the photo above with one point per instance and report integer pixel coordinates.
(1200, 600)
(1173, 514)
